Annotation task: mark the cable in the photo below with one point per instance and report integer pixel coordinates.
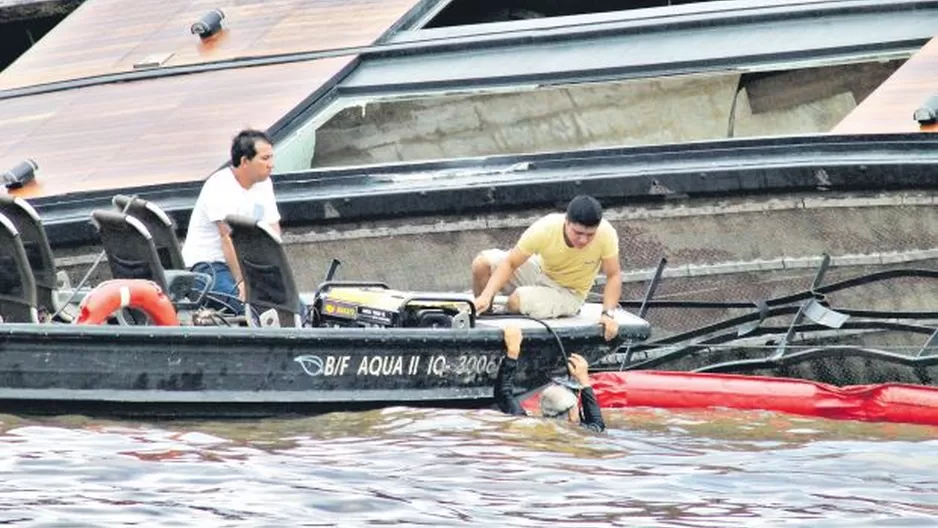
(223, 299)
(217, 317)
(559, 380)
(550, 329)
(569, 383)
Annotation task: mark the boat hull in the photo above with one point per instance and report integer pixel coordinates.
(196, 371)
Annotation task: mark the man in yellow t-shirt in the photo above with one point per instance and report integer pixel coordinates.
(553, 266)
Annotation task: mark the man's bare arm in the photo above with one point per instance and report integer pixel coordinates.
(503, 272)
(227, 248)
(612, 291)
(500, 277)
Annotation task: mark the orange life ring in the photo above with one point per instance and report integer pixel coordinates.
(110, 296)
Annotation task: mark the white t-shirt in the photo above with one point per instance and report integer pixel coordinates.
(221, 196)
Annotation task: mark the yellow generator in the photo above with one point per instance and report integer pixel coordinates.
(373, 304)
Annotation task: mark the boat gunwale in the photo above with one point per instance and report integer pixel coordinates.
(13, 332)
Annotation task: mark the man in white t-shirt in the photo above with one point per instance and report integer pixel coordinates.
(242, 189)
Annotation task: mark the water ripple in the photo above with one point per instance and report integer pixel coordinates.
(469, 468)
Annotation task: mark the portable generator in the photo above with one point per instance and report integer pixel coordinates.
(350, 304)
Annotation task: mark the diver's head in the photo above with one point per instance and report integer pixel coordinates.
(558, 401)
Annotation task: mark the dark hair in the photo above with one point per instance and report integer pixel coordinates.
(585, 210)
(245, 145)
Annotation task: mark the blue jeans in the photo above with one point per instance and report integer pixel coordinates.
(222, 293)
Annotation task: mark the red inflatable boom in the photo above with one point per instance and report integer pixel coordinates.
(888, 402)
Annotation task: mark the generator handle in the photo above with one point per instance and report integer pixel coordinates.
(328, 285)
(444, 298)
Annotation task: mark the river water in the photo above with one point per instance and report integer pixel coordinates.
(423, 467)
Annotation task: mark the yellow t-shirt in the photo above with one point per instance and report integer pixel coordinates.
(569, 267)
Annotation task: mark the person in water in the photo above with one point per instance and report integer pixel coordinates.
(244, 189)
(556, 401)
(553, 265)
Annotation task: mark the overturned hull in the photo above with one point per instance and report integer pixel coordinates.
(835, 365)
(679, 201)
(230, 372)
(812, 334)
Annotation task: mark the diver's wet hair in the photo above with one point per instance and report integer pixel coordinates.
(556, 400)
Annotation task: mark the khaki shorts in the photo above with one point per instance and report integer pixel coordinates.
(540, 296)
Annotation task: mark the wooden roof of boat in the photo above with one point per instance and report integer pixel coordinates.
(889, 109)
(88, 132)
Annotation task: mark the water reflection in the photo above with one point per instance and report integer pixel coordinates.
(459, 468)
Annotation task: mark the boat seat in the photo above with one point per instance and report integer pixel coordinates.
(131, 254)
(161, 227)
(268, 278)
(32, 234)
(17, 283)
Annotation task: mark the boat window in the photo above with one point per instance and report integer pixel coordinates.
(651, 111)
(464, 12)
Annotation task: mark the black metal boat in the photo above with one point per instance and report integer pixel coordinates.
(341, 347)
